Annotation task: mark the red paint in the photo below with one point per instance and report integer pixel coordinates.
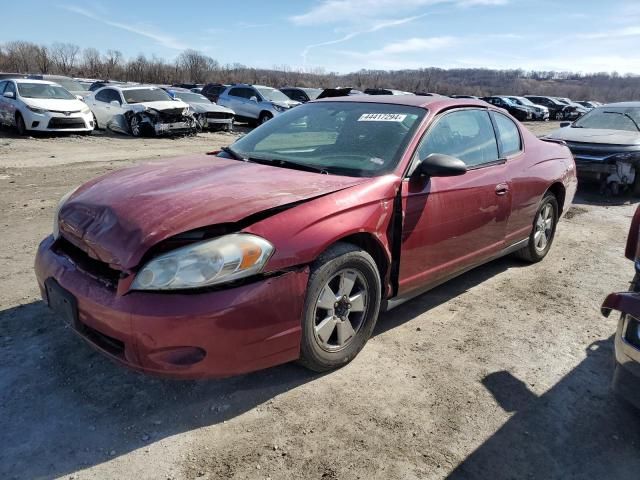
(449, 224)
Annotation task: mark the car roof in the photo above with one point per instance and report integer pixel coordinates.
(129, 87)
(436, 103)
(32, 80)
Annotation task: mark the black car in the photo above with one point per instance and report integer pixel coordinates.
(301, 94)
(557, 109)
(188, 86)
(385, 91)
(4, 76)
(213, 90)
(521, 112)
(103, 83)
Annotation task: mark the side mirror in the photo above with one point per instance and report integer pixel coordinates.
(254, 99)
(9, 95)
(565, 124)
(115, 103)
(440, 165)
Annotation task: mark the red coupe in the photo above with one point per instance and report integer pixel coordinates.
(288, 244)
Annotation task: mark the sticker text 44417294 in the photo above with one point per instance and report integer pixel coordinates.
(382, 117)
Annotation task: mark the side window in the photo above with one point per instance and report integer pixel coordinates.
(464, 134)
(103, 95)
(2, 85)
(250, 92)
(509, 135)
(235, 92)
(113, 95)
(10, 88)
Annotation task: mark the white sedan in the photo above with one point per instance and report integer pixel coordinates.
(39, 105)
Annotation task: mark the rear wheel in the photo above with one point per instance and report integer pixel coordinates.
(341, 307)
(559, 116)
(543, 232)
(20, 126)
(264, 117)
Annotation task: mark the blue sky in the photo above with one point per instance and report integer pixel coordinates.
(346, 35)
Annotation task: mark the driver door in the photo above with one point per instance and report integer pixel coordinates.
(454, 223)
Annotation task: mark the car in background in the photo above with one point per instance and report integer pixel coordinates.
(42, 106)
(557, 109)
(188, 86)
(4, 76)
(606, 145)
(520, 112)
(255, 103)
(578, 108)
(288, 244)
(540, 112)
(208, 115)
(301, 94)
(69, 83)
(626, 376)
(588, 104)
(197, 90)
(140, 110)
(98, 84)
(385, 91)
(464, 96)
(213, 90)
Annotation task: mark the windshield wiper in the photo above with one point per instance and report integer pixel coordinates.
(289, 164)
(629, 117)
(235, 155)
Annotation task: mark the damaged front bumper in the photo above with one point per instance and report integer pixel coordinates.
(181, 334)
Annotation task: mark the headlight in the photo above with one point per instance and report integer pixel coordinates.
(56, 219)
(86, 110)
(207, 263)
(36, 110)
(279, 108)
(626, 156)
(185, 111)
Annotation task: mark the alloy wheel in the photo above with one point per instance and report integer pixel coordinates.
(340, 310)
(543, 228)
(135, 127)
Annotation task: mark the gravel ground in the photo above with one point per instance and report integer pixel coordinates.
(502, 373)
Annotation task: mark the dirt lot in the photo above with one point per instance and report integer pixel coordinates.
(502, 373)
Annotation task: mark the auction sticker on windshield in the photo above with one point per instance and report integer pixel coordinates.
(382, 117)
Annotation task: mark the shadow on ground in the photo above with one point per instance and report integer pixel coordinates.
(577, 429)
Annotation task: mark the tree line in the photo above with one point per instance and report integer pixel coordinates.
(193, 66)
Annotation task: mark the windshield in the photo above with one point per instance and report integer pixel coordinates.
(611, 118)
(312, 93)
(355, 139)
(141, 95)
(42, 90)
(273, 95)
(522, 101)
(70, 84)
(192, 97)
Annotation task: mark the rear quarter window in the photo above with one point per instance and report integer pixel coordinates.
(508, 135)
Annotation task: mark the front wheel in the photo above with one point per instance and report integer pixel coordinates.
(559, 116)
(20, 126)
(543, 232)
(264, 118)
(341, 307)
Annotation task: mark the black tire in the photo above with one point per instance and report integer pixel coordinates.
(142, 129)
(95, 122)
(340, 258)
(21, 128)
(531, 253)
(264, 117)
(635, 188)
(559, 116)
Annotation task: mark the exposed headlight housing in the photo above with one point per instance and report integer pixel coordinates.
(56, 214)
(279, 108)
(36, 110)
(212, 262)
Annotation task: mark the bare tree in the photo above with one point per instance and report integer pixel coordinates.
(65, 56)
(195, 66)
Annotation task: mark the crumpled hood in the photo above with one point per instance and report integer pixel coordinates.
(596, 135)
(116, 218)
(159, 105)
(58, 104)
(209, 107)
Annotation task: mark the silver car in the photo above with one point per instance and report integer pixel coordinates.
(606, 145)
(255, 103)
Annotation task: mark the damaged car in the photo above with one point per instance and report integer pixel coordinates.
(288, 244)
(606, 145)
(540, 112)
(626, 376)
(140, 110)
(208, 115)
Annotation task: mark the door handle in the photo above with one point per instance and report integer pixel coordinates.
(502, 189)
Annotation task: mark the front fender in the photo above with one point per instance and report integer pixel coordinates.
(302, 233)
